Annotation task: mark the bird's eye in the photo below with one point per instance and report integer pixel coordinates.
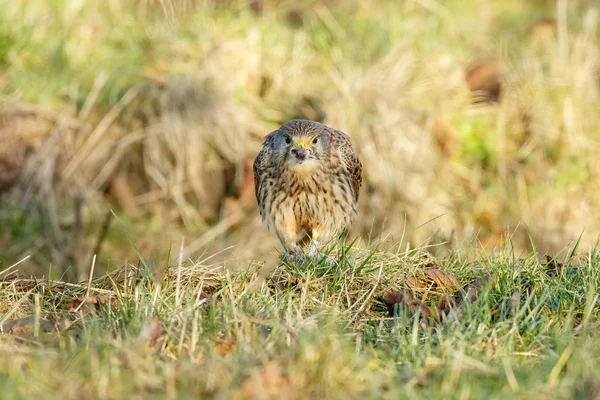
(315, 140)
(288, 140)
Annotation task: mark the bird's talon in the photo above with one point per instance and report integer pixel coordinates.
(293, 256)
(313, 249)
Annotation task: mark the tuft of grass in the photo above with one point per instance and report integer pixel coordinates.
(530, 328)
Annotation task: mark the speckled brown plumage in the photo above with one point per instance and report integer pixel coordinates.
(307, 179)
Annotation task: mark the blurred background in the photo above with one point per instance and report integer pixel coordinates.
(474, 119)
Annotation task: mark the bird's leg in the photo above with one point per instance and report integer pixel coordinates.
(293, 257)
(286, 231)
(292, 254)
(313, 248)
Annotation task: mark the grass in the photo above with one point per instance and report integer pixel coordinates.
(517, 328)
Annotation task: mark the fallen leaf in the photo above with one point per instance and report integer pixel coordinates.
(416, 282)
(25, 326)
(442, 279)
(406, 301)
(97, 300)
(446, 303)
(393, 298)
(415, 305)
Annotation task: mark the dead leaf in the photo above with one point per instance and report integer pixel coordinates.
(407, 302)
(25, 326)
(415, 305)
(416, 282)
(97, 300)
(442, 279)
(446, 303)
(393, 298)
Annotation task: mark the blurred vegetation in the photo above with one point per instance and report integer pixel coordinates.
(472, 118)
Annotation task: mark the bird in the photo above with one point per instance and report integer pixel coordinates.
(307, 179)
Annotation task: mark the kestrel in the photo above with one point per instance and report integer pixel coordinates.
(307, 178)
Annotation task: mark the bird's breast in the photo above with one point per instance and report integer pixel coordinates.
(307, 183)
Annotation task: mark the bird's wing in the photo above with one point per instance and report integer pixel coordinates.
(261, 164)
(350, 160)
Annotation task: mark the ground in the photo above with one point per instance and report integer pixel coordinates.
(392, 323)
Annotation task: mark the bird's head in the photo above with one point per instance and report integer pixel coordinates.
(302, 144)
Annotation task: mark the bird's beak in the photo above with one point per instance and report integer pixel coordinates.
(301, 143)
(300, 151)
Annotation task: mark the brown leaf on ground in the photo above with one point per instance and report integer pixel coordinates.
(25, 326)
(417, 282)
(442, 279)
(408, 302)
(432, 279)
(415, 305)
(393, 298)
(97, 300)
(446, 303)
